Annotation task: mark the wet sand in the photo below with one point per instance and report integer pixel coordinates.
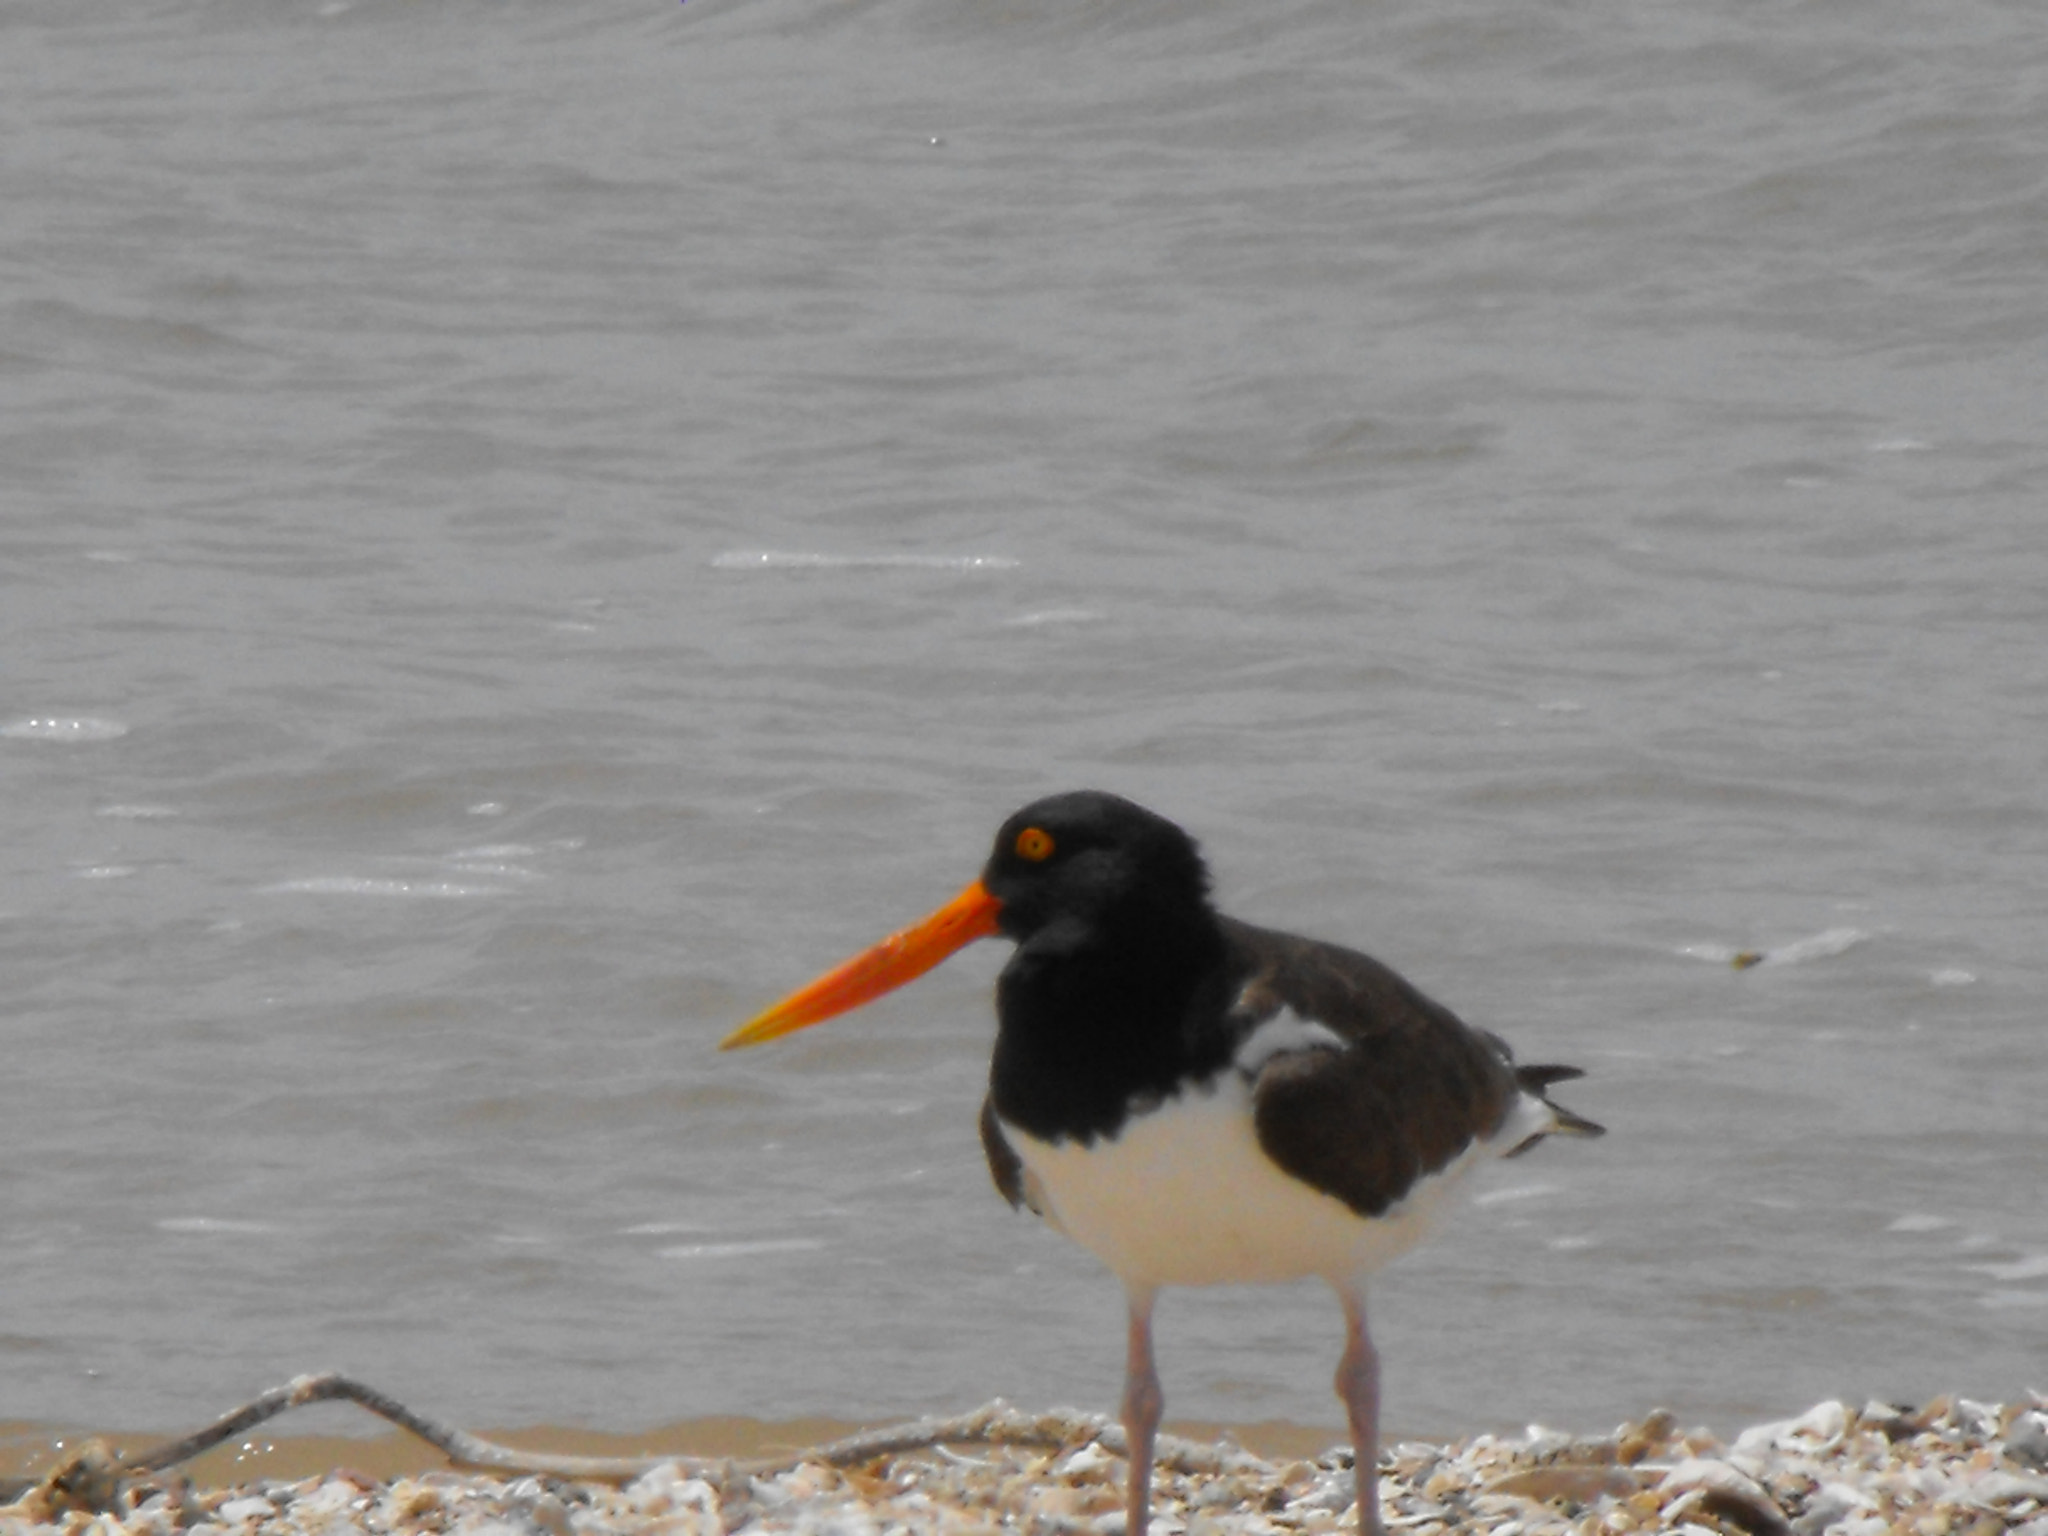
(29, 1450)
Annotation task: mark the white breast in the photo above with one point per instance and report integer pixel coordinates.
(1186, 1196)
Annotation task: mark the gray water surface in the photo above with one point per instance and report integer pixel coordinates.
(526, 531)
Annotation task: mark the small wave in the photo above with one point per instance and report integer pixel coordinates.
(136, 812)
(812, 560)
(495, 861)
(499, 871)
(2033, 1267)
(351, 885)
(75, 728)
(1048, 616)
(2004, 1299)
(1919, 1221)
(212, 1224)
(1819, 946)
(1516, 1192)
(742, 1250)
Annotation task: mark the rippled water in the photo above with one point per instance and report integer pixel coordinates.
(528, 532)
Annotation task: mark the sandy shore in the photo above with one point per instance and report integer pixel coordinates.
(1948, 1468)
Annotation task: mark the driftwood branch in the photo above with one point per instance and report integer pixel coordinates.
(460, 1447)
(91, 1477)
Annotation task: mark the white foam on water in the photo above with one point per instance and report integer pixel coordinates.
(741, 1250)
(1719, 954)
(2032, 1267)
(68, 729)
(1919, 1221)
(1819, 946)
(1514, 1194)
(1045, 618)
(817, 560)
(355, 885)
(2007, 1300)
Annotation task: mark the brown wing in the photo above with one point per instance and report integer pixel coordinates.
(1004, 1165)
(1409, 1089)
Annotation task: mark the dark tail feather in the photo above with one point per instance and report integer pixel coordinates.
(1534, 1079)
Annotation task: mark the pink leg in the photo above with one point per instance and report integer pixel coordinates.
(1358, 1383)
(1143, 1404)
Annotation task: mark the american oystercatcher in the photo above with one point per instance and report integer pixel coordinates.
(1198, 1101)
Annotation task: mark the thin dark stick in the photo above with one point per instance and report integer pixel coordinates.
(994, 1424)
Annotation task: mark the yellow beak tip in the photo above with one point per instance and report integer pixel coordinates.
(753, 1032)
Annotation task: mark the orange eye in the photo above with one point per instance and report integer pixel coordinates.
(1035, 844)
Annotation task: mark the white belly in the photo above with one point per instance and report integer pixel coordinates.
(1185, 1196)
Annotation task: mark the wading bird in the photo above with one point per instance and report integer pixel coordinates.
(1197, 1101)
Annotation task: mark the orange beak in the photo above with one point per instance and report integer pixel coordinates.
(900, 958)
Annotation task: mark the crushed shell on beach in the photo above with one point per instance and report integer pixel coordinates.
(1950, 1468)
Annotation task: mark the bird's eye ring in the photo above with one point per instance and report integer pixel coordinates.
(1034, 844)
